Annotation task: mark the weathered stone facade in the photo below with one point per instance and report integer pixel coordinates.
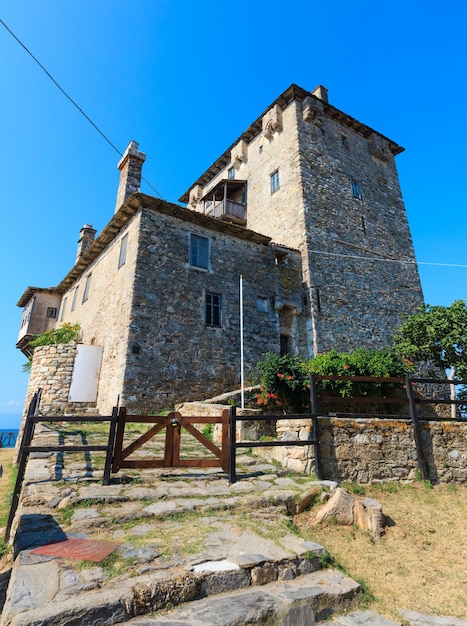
(51, 371)
(337, 199)
(168, 333)
(365, 450)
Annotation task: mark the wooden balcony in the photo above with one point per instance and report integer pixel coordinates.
(228, 210)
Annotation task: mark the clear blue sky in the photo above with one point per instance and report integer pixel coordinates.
(184, 80)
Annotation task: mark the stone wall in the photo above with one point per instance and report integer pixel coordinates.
(375, 450)
(104, 316)
(173, 354)
(339, 202)
(52, 368)
(356, 301)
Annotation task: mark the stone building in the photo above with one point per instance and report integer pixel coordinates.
(305, 206)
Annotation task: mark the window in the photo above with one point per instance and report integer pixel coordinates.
(52, 312)
(123, 249)
(27, 312)
(75, 299)
(356, 189)
(275, 181)
(87, 287)
(62, 314)
(213, 310)
(345, 141)
(199, 251)
(262, 304)
(231, 173)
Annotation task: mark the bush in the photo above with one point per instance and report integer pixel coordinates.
(285, 380)
(284, 383)
(361, 362)
(64, 334)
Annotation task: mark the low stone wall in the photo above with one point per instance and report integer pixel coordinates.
(366, 450)
(52, 368)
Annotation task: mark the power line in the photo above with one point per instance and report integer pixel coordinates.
(71, 100)
(386, 259)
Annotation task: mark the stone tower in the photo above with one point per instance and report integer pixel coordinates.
(317, 180)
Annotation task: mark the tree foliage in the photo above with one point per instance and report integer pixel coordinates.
(436, 334)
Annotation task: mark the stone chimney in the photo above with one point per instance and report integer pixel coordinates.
(130, 168)
(321, 93)
(86, 237)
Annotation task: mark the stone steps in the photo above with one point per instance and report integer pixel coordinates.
(298, 602)
(234, 590)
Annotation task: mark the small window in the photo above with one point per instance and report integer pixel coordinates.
(213, 309)
(87, 286)
(199, 251)
(275, 181)
(345, 141)
(231, 173)
(262, 304)
(261, 149)
(62, 314)
(75, 299)
(356, 189)
(51, 312)
(123, 250)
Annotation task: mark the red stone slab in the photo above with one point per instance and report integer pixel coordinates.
(83, 549)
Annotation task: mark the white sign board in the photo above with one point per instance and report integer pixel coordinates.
(85, 377)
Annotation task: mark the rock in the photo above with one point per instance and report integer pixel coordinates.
(348, 509)
(308, 498)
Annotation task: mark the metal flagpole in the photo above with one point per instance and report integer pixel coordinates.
(241, 341)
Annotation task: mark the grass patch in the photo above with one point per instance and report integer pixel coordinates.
(7, 483)
(417, 564)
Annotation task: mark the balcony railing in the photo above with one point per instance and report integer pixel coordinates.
(228, 210)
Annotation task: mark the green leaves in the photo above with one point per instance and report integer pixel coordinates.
(64, 334)
(285, 380)
(436, 334)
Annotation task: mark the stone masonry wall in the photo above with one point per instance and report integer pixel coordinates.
(173, 355)
(375, 450)
(51, 371)
(104, 316)
(355, 301)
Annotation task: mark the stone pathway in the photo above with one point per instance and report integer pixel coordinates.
(219, 554)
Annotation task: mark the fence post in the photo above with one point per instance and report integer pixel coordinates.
(28, 434)
(416, 429)
(315, 425)
(232, 441)
(110, 447)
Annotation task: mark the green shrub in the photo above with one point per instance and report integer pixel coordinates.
(284, 383)
(361, 362)
(285, 380)
(64, 334)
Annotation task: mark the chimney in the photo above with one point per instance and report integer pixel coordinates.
(86, 238)
(130, 168)
(321, 93)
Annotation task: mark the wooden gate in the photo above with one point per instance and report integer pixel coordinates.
(173, 423)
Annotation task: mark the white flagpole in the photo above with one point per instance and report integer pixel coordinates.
(241, 341)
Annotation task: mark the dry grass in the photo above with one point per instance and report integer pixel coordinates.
(421, 562)
(7, 482)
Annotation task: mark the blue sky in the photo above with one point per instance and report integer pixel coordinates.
(184, 80)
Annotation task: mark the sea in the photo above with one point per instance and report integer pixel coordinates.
(8, 437)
